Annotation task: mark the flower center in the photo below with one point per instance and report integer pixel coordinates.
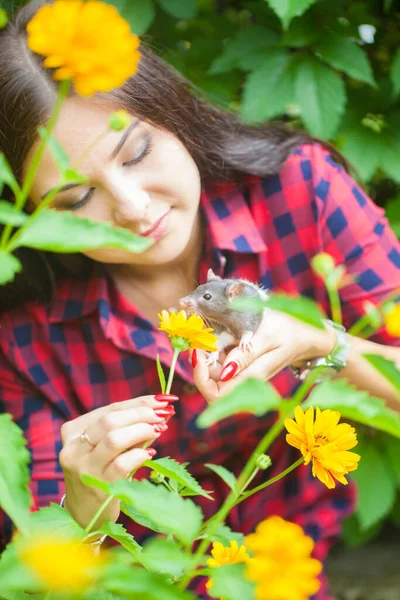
(321, 440)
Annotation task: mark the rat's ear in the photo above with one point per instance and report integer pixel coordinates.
(233, 290)
(211, 275)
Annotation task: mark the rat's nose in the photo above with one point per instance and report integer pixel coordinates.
(186, 303)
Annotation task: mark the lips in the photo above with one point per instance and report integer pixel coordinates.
(155, 225)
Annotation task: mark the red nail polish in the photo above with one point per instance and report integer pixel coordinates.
(151, 452)
(166, 398)
(165, 412)
(194, 358)
(160, 427)
(229, 371)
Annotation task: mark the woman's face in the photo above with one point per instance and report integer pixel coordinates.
(141, 178)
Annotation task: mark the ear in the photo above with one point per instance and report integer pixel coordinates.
(211, 275)
(234, 290)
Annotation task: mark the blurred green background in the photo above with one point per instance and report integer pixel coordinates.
(331, 67)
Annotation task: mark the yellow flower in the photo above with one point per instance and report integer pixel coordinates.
(324, 442)
(282, 567)
(223, 555)
(86, 41)
(187, 332)
(60, 564)
(392, 321)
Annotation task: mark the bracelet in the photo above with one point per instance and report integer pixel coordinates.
(96, 542)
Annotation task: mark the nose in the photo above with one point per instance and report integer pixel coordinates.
(186, 303)
(131, 200)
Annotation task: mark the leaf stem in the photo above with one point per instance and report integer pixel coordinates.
(98, 514)
(334, 300)
(270, 481)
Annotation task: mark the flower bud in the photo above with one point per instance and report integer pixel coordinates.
(156, 477)
(323, 264)
(263, 462)
(119, 120)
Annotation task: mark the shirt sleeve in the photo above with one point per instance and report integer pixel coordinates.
(41, 425)
(355, 231)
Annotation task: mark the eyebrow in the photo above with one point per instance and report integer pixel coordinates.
(113, 154)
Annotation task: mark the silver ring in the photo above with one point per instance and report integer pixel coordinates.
(85, 438)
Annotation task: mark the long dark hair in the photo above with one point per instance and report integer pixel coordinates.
(221, 145)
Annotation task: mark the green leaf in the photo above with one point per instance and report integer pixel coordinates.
(247, 42)
(139, 14)
(179, 9)
(346, 55)
(9, 267)
(230, 583)
(391, 447)
(14, 576)
(15, 496)
(156, 503)
(302, 32)
(288, 9)
(225, 535)
(119, 4)
(372, 468)
(7, 176)
(117, 532)
(138, 584)
(396, 72)
(354, 536)
(10, 215)
(64, 232)
(61, 158)
(174, 470)
(224, 473)
(355, 405)
(161, 375)
(274, 73)
(251, 396)
(163, 555)
(56, 521)
(386, 367)
(321, 94)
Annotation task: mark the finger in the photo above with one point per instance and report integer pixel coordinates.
(115, 420)
(206, 384)
(118, 441)
(74, 428)
(125, 463)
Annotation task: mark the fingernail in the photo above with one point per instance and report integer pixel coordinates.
(165, 412)
(160, 427)
(229, 371)
(151, 452)
(166, 398)
(194, 358)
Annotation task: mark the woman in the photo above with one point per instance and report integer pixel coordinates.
(79, 334)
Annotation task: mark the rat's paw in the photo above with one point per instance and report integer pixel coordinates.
(212, 358)
(246, 344)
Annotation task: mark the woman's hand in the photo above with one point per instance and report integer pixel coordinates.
(279, 342)
(112, 449)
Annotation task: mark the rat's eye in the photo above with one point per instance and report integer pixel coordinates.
(207, 296)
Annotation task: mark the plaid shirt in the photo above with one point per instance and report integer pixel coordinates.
(92, 347)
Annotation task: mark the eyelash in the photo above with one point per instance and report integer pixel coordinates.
(148, 148)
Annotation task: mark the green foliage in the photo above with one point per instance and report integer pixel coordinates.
(64, 232)
(55, 521)
(224, 473)
(387, 368)
(157, 504)
(164, 555)
(174, 470)
(251, 396)
(230, 583)
(161, 375)
(288, 9)
(9, 267)
(117, 532)
(15, 496)
(10, 215)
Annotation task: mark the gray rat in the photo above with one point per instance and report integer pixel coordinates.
(211, 302)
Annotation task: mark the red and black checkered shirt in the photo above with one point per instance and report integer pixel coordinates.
(92, 347)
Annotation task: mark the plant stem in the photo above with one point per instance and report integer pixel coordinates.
(37, 157)
(172, 370)
(250, 479)
(270, 481)
(334, 300)
(98, 514)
